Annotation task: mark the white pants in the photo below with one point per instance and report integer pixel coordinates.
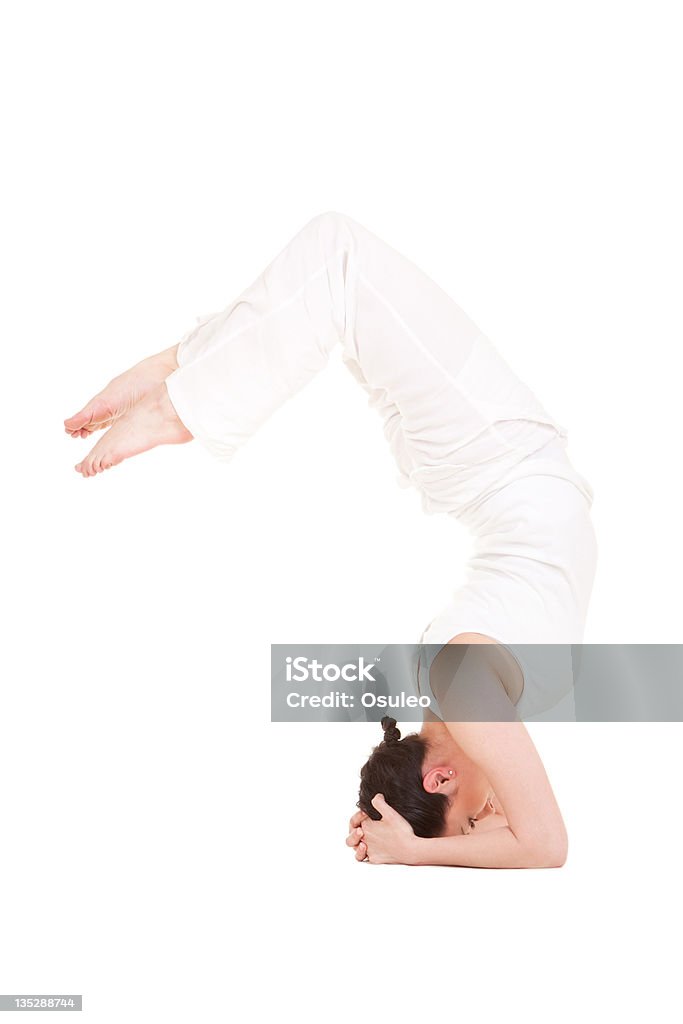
(463, 428)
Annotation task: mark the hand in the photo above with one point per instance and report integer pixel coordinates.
(391, 840)
(355, 836)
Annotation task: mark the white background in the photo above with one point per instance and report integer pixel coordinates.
(165, 850)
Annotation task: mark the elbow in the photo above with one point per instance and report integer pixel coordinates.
(549, 851)
(554, 857)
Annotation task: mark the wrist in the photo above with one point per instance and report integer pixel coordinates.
(416, 851)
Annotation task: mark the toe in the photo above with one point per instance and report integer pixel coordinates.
(74, 423)
(92, 417)
(86, 466)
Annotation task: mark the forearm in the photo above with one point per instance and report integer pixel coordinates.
(500, 848)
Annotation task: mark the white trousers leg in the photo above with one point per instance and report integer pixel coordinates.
(457, 418)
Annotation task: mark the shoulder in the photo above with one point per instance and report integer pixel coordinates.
(490, 657)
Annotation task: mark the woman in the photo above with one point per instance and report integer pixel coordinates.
(426, 799)
(463, 429)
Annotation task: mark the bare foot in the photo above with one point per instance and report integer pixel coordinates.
(152, 421)
(121, 394)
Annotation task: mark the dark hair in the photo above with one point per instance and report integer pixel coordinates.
(394, 769)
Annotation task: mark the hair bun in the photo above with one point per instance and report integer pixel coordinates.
(391, 733)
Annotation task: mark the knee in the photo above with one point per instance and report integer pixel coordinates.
(331, 225)
(331, 217)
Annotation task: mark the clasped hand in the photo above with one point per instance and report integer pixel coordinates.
(389, 841)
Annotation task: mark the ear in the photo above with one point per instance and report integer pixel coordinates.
(440, 780)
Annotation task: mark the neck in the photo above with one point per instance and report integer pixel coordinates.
(439, 739)
(473, 786)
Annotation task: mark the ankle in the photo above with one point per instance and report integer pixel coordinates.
(163, 363)
(165, 409)
(170, 358)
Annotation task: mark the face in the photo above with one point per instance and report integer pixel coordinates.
(448, 770)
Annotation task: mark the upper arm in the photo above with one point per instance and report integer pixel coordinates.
(469, 679)
(506, 754)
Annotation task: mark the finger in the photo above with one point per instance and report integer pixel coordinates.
(354, 838)
(362, 851)
(356, 819)
(380, 804)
